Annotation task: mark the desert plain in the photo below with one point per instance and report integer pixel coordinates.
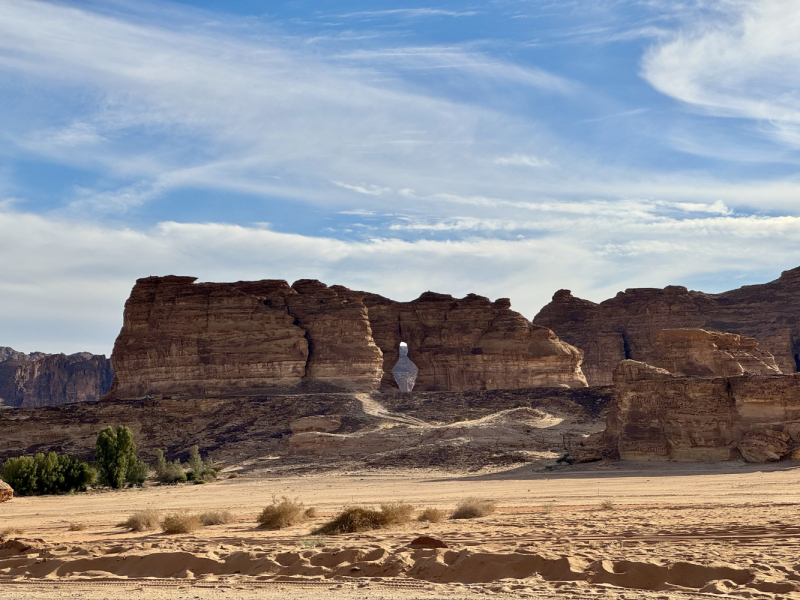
(601, 530)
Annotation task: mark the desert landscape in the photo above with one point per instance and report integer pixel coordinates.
(501, 471)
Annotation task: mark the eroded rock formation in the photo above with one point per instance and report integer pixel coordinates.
(626, 326)
(38, 379)
(181, 338)
(6, 492)
(471, 344)
(701, 353)
(657, 415)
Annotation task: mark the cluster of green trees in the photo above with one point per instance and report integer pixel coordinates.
(116, 465)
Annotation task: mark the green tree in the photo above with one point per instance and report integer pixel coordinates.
(195, 462)
(161, 464)
(115, 456)
(47, 474)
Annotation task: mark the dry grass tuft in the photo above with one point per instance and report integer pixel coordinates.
(282, 513)
(431, 515)
(181, 523)
(234, 476)
(141, 520)
(608, 505)
(472, 508)
(217, 517)
(77, 526)
(311, 513)
(4, 533)
(357, 518)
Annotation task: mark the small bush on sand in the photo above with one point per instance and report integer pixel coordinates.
(311, 513)
(607, 505)
(357, 518)
(431, 515)
(217, 517)
(281, 513)
(472, 508)
(9, 531)
(234, 476)
(141, 520)
(181, 523)
(77, 526)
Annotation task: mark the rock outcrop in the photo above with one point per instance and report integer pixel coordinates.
(626, 326)
(701, 353)
(6, 492)
(181, 338)
(38, 379)
(471, 344)
(405, 372)
(657, 415)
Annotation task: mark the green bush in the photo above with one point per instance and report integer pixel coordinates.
(356, 519)
(47, 474)
(115, 457)
(168, 472)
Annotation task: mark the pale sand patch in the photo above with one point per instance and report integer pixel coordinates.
(725, 530)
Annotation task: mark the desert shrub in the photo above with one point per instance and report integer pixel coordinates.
(115, 456)
(431, 515)
(47, 474)
(77, 526)
(472, 508)
(217, 517)
(234, 476)
(281, 513)
(181, 523)
(168, 472)
(142, 520)
(4, 533)
(137, 473)
(311, 513)
(608, 505)
(356, 518)
(198, 469)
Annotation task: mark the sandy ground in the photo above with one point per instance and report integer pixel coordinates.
(667, 531)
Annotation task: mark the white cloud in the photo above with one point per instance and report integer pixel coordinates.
(741, 61)
(522, 160)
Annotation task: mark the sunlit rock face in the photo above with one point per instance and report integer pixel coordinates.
(405, 371)
(627, 326)
(182, 338)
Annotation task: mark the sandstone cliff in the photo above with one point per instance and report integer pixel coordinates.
(40, 379)
(181, 338)
(657, 415)
(626, 326)
(471, 344)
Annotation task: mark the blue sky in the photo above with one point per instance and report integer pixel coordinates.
(505, 147)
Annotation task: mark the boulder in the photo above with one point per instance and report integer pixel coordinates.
(6, 492)
(627, 326)
(764, 445)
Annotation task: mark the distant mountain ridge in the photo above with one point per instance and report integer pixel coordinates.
(40, 379)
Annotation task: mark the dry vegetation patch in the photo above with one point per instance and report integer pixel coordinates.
(77, 526)
(181, 523)
(4, 533)
(217, 517)
(357, 518)
(472, 508)
(432, 515)
(282, 513)
(141, 520)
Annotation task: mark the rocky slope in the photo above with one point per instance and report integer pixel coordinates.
(185, 339)
(463, 430)
(657, 415)
(38, 379)
(626, 326)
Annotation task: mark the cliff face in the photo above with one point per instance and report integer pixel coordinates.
(30, 381)
(626, 326)
(188, 339)
(471, 344)
(657, 415)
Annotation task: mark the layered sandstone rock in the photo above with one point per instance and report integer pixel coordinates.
(36, 380)
(626, 326)
(6, 492)
(701, 353)
(657, 415)
(471, 344)
(181, 338)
